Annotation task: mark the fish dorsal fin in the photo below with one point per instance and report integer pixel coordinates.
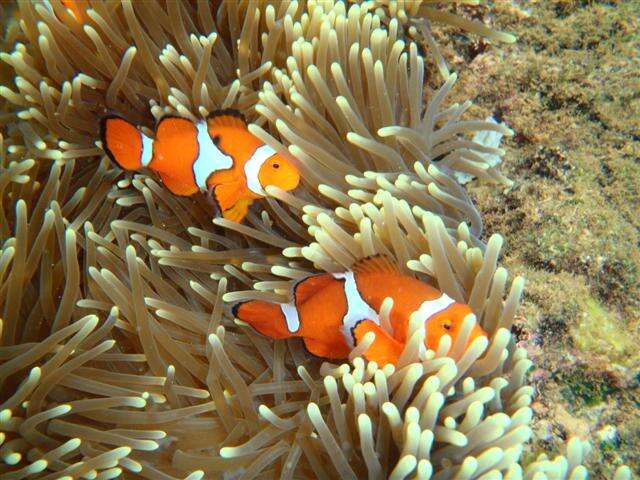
(305, 289)
(375, 264)
(226, 118)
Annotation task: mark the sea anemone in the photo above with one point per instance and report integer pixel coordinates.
(119, 352)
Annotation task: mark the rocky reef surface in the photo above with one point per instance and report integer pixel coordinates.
(570, 89)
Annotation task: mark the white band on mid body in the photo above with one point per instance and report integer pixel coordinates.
(290, 313)
(430, 307)
(357, 308)
(210, 157)
(147, 150)
(252, 168)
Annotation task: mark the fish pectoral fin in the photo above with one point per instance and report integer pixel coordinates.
(176, 185)
(238, 211)
(326, 348)
(384, 349)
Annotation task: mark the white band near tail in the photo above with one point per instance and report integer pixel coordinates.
(147, 150)
(210, 157)
(290, 313)
(253, 165)
(357, 308)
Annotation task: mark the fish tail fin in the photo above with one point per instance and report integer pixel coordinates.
(265, 317)
(124, 143)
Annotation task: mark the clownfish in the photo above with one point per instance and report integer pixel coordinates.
(217, 155)
(76, 7)
(333, 312)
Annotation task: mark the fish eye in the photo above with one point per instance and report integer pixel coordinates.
(446, 324)
(276, 165)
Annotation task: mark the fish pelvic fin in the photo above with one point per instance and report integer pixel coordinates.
(238, 211)
(228, 194)
(231, 197)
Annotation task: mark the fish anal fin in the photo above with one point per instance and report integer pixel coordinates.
(384, 349)
(177, 185)
(375, 264)
(305, 289)
(226, 118)
(264, 317)
(326, 349)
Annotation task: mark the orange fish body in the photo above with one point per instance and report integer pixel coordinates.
(218, 155)
(77, 7)
(333, 312)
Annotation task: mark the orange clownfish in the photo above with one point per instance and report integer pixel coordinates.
(218, 155)
(77, 8)
(333, 312)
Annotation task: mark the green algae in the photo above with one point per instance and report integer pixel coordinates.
(601, 332)
(611, 449)
(583, 387)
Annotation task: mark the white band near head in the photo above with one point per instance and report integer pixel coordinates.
(253, 165)
(431, 307)
(210, 157)
(290, 313)
(357, 308)
(147, 150)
